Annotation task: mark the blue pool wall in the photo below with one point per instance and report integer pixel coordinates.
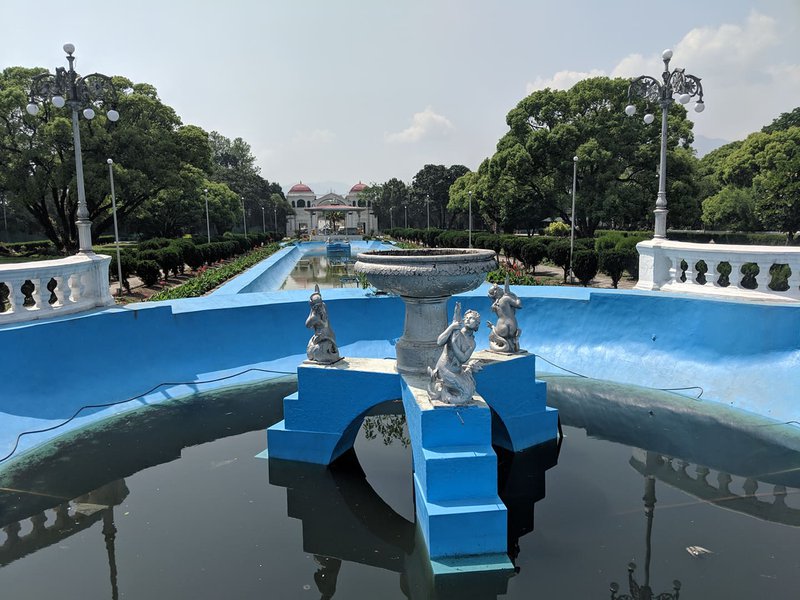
(745, 355)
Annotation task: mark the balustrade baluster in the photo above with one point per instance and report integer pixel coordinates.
(675, 271)
(15, 296)
(763, 277)
(62, 290)
(36, 294)
(724, 480)
(38, 520)
(735, 278)
(712, 276)
(779, 491)
(794, 280)
(750, 486)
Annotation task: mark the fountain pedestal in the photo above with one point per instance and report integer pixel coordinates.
(462, 519)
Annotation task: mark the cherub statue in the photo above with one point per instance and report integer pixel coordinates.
(452, 380)
(322, 348)
(504, 336)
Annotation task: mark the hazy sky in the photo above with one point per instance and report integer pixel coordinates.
(336, 92)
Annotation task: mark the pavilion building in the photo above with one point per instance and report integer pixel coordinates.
(319, 216)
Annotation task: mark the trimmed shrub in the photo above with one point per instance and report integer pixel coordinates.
(558, 253)
(533, 251)
(557, 229)
(584, 265)
(148, 272)
(169, 260)
(154, 244)
(613, 263)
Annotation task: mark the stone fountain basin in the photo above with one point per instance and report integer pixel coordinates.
(426, 272)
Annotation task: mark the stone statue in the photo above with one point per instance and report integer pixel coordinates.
(504, 336)
(322, 348)
(452, 380)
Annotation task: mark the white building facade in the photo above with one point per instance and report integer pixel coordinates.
(322, 216)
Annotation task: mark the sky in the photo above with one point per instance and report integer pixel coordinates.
(336, 92)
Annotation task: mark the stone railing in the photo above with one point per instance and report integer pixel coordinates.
(746, 272)
(758, 499)
(42, 289)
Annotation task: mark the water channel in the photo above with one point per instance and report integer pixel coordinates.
(170, 502)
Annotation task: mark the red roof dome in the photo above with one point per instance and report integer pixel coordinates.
(359, 187)
(300, 188)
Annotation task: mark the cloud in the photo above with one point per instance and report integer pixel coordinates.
(315, 137)
(423, 124)
(563, 80)
(747, 79)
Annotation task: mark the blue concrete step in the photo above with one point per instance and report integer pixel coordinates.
(452, 472)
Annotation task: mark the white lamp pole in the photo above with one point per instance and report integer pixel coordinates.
(208, 221)
(275, 217)
(428, 208)
(572, 219)
(470, 218)
(661, 92)
(66, 88)
(263, 222)
(391, 217)
(116, 229)
(244, 218)
(405, 211)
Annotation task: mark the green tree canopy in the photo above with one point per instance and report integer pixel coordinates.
(529, 178)
(149, 144)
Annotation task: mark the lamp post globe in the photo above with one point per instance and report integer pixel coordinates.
(663, 92)
(81, 94)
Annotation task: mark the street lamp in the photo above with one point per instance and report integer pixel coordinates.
(405, 211)
(263, 222)
(391, 217)
(244, 218)
(470, 218)
(428, 208)
(208, 221)
(79, 94)
(572, 219)
(114, 213)
(275, 217)
(5, 220)
(661, 93)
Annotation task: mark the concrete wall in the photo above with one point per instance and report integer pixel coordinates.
(743, 354)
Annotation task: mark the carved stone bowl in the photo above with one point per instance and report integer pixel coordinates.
(426, 272)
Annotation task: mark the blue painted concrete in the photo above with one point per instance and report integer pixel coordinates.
(745, 355)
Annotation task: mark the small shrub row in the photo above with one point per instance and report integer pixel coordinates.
(211, 278)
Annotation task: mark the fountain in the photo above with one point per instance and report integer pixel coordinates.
(458, 403)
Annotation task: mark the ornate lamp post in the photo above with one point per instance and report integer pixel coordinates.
(116, 228)
(572, 219)
(428, 208)
(81, 94)
(405, 214)
(263, 221)
(244, 218)
(661, 93)
(275, 217)
(470, 219)
(208, 221)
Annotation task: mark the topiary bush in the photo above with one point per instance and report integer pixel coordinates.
(613, 263)
(584, 266)
(557, 229)
(558, 253)
(148, 271)
(533, 251)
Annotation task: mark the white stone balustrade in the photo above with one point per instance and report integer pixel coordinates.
(661, 268)
(42, 289)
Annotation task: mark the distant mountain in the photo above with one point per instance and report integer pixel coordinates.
(704, 144)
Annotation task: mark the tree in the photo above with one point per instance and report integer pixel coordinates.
(731, 208)
(784, 121)
(769, 165)
(433, 182)
(233, 164)
(149, 145)
(530, 175)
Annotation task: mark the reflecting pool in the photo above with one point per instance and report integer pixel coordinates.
(332, 270)
(169, 502)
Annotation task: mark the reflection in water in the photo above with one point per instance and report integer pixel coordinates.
(344, 519)
(348, 528)
(644, 592)
(331, 271)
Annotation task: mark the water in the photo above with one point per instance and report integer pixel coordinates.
(334, 270)
(184, 510)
